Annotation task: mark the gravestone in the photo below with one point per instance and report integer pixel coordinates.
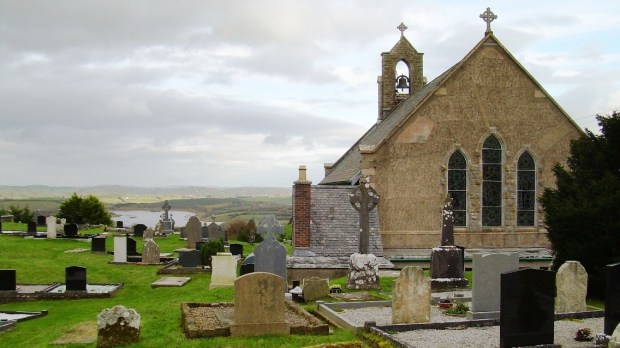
(363, 272)
(193, 231)
(527, 308)
(247, 266)
(269, 225)
(315, 288)
(75, 278)
(612, 298)
(97, 244)
(131, 247)
(411, 297)
(41, 220)
(259, 305)
(150, 252)
(60, 228)
(148, 234)
(181, 232)
(215, 231)
(204, 231)
(447, 260)
(236, 249)
(269, 255)
(119, 224)
(71, 230)
(50, 221)
(486, 286)
(189, 258)
(138, 230)
(8, 280)
(364, 199)
(571, 283)
(199, 245)
(117, 326)
(223, 270)
(32, 227)
(166, 222)
(120, 249)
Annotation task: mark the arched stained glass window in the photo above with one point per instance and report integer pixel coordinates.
(526, 190)
(457, 187)
(491, 182)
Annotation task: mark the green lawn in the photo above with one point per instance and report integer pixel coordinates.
(44, 261)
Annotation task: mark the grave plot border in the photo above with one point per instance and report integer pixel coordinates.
(16, 296)
(11, 324)
(169, 268)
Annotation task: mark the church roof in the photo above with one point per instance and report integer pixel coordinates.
(348, 166)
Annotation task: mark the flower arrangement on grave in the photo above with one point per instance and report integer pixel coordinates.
(583, 334)
(460, 309)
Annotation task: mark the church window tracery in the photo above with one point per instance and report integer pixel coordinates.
(526, 190)
(491, 182)
(457, 187)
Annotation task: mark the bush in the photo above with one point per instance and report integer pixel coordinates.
(23, 215)
(88, 210)
(236, 229)
(581, 214)
(209, 249)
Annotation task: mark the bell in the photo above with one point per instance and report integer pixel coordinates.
(402, 82)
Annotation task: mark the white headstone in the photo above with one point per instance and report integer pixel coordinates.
(571, 283)
(223, 270)
(411, 297)
(50, 221)
(120, 249)
(61, 226)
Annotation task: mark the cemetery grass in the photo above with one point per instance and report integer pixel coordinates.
(44, 261)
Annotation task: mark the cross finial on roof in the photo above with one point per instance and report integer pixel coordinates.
(402, 27)
(488, 16)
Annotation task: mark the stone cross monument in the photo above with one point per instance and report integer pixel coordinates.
(488, 16)
(166, 207)
(364, 199)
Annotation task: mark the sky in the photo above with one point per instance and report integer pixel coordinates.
(240, 93)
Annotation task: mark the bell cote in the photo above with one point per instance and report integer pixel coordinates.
(401, 76)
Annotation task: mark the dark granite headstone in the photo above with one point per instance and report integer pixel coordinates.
(190, 258)
(205, 231)
(41, 220)
(75, 278)
(131, 247)
(527, 308)
(8, 280)
(612, 298)
(98, 244)
(236, 249)
(138, 230)
(119, 224)
(71, 230)
(0, 225)
(32, 227)
(248, 265)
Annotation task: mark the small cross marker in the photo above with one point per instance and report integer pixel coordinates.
(488, 16)
(402, 27)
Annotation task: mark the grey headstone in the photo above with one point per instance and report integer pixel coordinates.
(190, 258)
(215, 231)
(527, 308)
(487, 270)
(75, 278)
(193, 230)
(270, 257)
(150, 252)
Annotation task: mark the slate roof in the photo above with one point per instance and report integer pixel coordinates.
(334, 223)
(348, 166)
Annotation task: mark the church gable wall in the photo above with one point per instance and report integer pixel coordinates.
(488, 94)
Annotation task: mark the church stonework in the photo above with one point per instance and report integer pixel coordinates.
(484, 132)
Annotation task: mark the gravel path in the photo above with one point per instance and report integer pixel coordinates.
(479, 337)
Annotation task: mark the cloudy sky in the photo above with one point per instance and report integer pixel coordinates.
(240, 93)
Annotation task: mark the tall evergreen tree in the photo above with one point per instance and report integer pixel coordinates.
(85, 210)
(582, 213)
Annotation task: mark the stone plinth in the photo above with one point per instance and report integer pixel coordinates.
(447, 269)
(363, 272)
(223, 270)
(571, 281)
(117, 326)
(259, 305)
(315, 288)
(411, 297)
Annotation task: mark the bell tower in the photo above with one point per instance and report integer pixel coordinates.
(393, 87)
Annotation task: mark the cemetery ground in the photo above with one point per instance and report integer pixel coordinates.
(43, 260)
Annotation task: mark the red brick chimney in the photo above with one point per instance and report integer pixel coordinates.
(301, 210)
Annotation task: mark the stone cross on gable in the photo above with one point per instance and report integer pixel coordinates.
(402, 27)
(268, 226)
(364, 199)
(447, 224)
(166, 207)
(488, 16)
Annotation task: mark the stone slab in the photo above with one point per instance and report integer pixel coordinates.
(172, 282)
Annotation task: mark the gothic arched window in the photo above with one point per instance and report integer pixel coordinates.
(457, 187)
(491, 182)
(526, 190)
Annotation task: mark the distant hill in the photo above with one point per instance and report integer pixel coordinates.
(120, 192)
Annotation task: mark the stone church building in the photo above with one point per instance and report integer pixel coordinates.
(484, 132)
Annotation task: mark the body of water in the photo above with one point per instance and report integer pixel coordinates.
(149, 218)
